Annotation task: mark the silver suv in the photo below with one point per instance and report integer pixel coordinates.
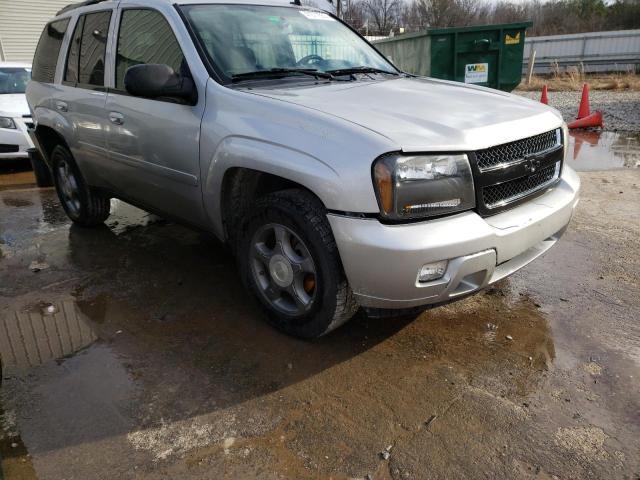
(338, 181)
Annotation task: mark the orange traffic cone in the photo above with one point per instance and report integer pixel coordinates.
(584, 111)
(590, 121)
(585, 118)
(544, 98)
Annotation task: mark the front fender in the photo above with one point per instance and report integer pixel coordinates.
(329, 156)
(263, 156)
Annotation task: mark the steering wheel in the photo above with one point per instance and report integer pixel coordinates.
(310, 60)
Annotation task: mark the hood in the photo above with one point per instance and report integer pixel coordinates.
(420, 114)
(13, 105)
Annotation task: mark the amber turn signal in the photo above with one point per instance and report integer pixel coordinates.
(385, 186)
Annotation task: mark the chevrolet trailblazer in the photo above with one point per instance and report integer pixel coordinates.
(338, 181)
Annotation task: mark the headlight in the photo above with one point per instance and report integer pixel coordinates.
(6, 122)
(415, 186)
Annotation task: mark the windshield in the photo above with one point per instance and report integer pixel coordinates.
(14, 79)
(247, 38)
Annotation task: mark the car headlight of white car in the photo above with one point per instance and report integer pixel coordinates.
(416, 186)
(7, 122)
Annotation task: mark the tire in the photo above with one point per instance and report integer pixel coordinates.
(83, 205)
(302, 217)
(40, 170)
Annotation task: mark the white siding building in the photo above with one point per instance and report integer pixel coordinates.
(21, 22)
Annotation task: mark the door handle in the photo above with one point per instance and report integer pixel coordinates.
(116, 118)
(62, 106)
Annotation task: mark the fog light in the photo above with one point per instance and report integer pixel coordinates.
(432, 271)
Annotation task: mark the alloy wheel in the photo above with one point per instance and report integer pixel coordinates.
(283, 269)
(69, 188)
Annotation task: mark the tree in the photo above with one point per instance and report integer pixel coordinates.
(383, 15)
(550, 17)
(355, 14)
(447, 13)
(623, 14)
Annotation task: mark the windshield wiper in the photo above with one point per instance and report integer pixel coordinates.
(279, 72)
(352, 70)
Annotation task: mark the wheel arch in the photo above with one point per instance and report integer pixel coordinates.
(48, 138)
(242, 168)
(52, 129)
(241, 187)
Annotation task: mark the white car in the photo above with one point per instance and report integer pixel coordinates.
(15, 117)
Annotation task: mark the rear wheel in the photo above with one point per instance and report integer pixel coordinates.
(289, 259)
(84, 205)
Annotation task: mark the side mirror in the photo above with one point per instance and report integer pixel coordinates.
(155, 80)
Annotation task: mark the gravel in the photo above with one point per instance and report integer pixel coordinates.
(621, 109)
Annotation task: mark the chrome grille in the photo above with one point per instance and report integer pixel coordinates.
(515, 151)
(507, 192)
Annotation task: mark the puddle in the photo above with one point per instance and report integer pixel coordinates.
(125, 218)
(51, 362)
(44, 333)
(593, 150)
(52, 213)
(15, 461)
(16, 202)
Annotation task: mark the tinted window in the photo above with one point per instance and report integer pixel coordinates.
(73, 58)
(46, 57)
(146, 37)
(93, 44)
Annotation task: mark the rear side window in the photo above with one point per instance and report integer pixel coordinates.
(146, 37)
(85, 61)
(73, 58)
(46, 57)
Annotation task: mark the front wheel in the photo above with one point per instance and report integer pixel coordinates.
(289, 259)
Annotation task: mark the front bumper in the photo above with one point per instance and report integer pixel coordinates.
(382, 261)
(15, 139)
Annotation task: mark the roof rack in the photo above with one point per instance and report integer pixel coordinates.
(78, 5)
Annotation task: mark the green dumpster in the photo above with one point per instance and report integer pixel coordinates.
(488, 55)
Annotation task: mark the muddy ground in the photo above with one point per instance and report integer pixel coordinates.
(132, 352)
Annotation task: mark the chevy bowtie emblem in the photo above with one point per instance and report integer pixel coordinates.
(531, 165)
